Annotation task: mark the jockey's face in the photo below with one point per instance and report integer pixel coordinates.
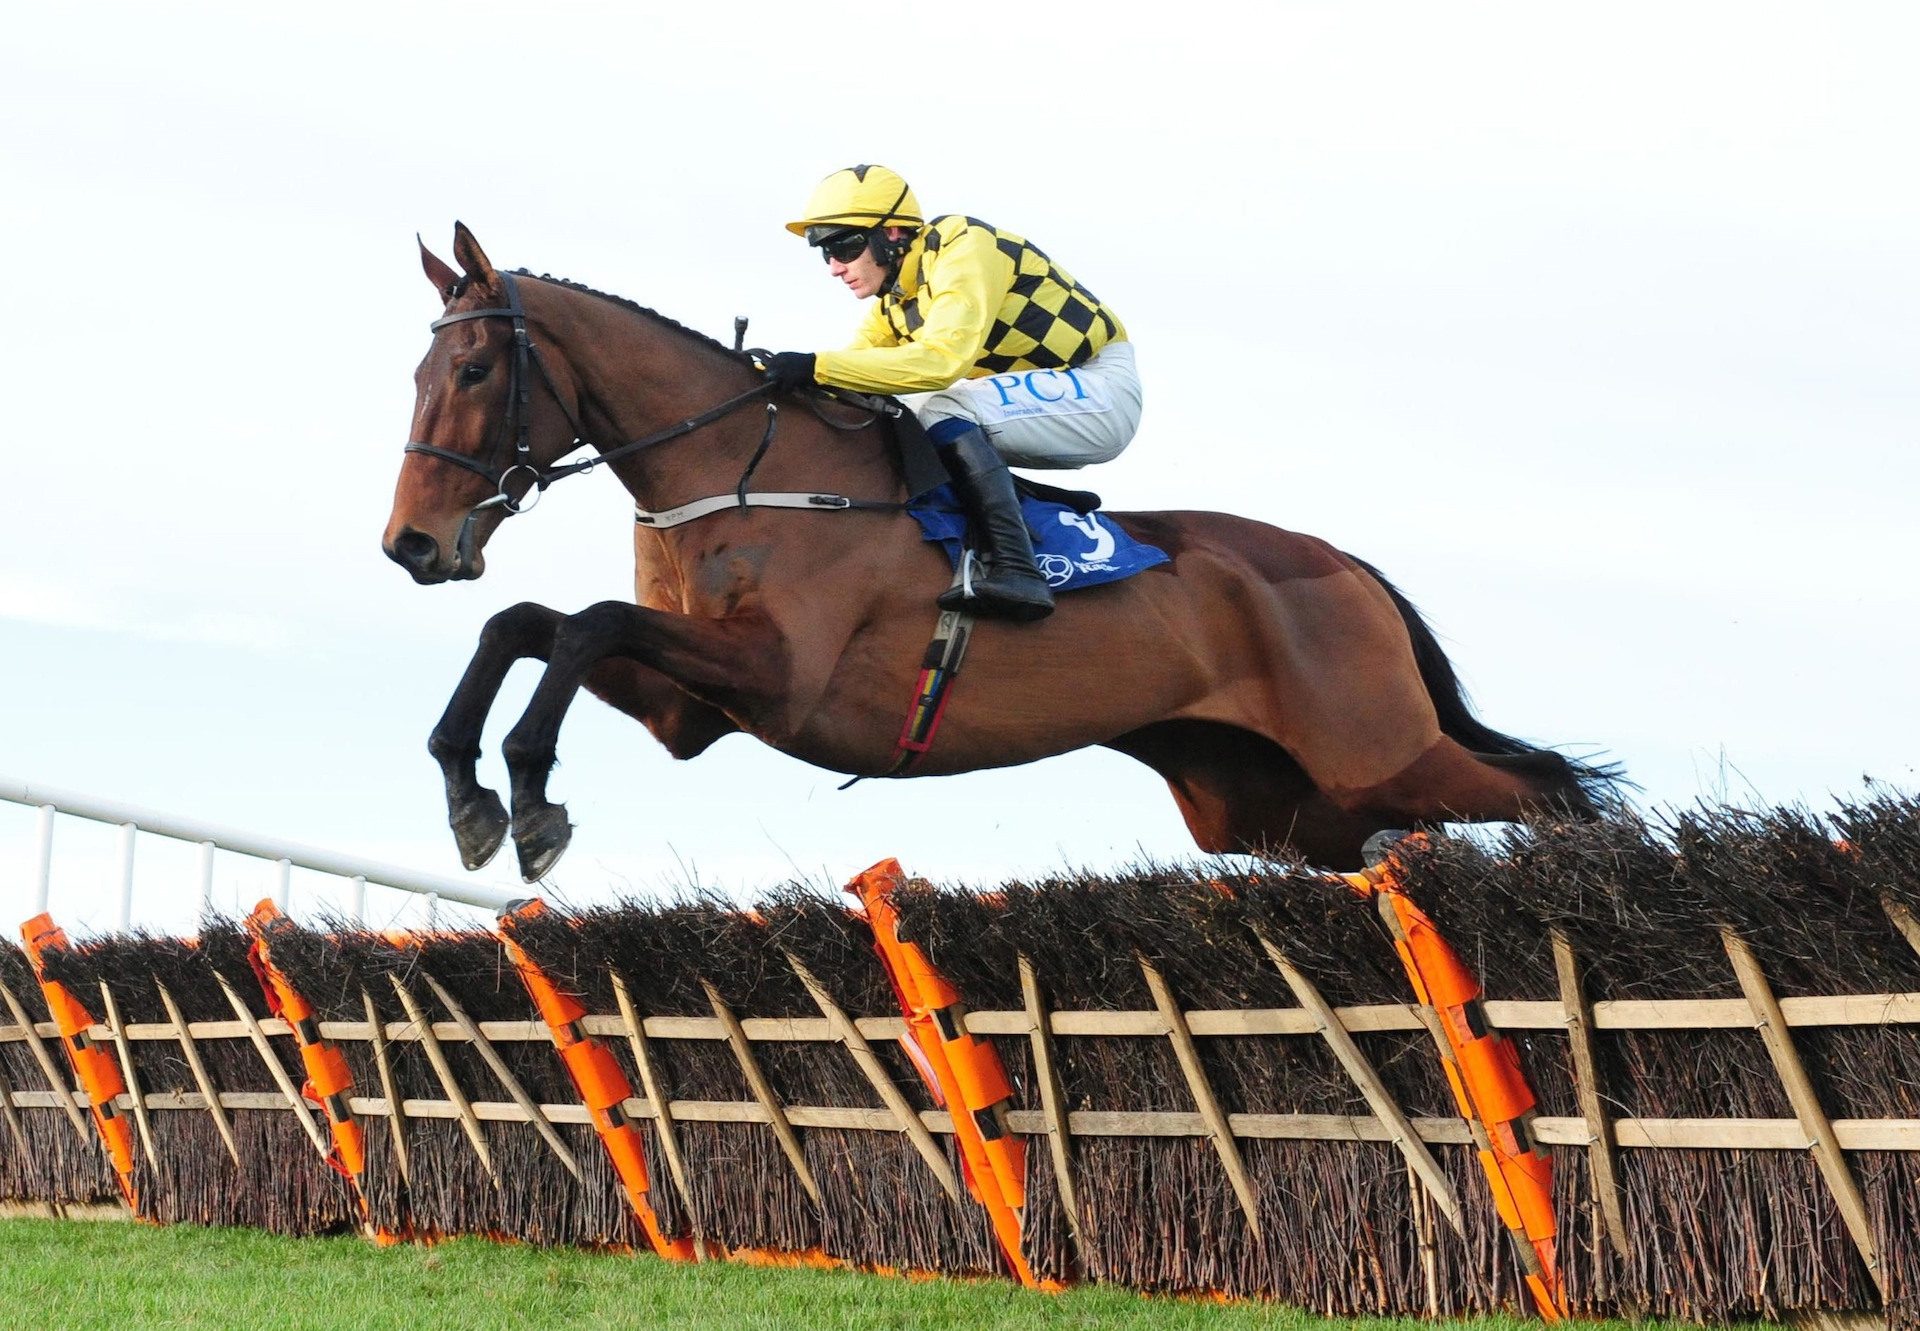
(863, 275)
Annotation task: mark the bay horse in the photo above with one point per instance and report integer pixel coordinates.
(1291, 698)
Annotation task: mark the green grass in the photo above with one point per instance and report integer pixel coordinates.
(71, 1275)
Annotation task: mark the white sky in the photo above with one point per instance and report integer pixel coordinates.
(1592, 326)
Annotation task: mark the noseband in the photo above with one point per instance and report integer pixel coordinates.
(512, 450)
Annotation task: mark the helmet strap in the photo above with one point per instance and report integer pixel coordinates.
(886, 251)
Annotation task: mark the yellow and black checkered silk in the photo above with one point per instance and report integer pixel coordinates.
(970, 301)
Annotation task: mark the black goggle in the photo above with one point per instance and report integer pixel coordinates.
(845, 246)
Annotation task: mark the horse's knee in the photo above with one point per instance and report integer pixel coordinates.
(512, 627)
(592, 631)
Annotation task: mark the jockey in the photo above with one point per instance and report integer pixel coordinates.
(1012, 360)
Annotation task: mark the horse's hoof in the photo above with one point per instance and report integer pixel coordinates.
(541, 838)
(479, 828)
(1379, 847)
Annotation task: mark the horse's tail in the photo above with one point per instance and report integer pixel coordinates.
(1597, 785)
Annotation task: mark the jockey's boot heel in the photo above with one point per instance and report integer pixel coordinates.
(1011, 587)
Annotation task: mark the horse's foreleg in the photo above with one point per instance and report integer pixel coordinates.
(715, 660)
(478, 818)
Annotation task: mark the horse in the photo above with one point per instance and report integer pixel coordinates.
(1292, 699)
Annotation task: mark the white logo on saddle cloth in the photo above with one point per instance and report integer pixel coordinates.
(1040, 393)
(1059, 569)
(1089, 526)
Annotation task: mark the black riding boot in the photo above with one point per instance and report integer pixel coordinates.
(1011, 587)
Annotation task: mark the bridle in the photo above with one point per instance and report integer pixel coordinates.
(512, 450)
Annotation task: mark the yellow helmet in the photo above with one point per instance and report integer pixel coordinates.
(860, 196)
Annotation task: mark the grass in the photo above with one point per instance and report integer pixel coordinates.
(73, 1275)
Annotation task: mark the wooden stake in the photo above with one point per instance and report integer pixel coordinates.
(652, 1083)
(876, 1073)
(41, 1056)
(13, 1119)
(1378, 1098)
(1806, 1104)
(499, 1068)
(763, 1091)
(1202, 1091)
(396, 1114)
(117, 1029)
(1904, 921)
(200, 1077)
(1424, 1236)
(1053, 1102)
(438, 1057)
(279, 1073)
(1586, 1082)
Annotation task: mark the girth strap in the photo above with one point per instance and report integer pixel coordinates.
(700, 508)
(939, 667)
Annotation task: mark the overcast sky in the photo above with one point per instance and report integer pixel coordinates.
(1592, 326)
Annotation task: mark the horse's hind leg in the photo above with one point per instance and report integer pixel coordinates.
(1448, 783)
(478, 818)
(715, 660)
(1241, 792)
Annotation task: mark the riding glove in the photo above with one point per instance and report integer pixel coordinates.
(788, 370)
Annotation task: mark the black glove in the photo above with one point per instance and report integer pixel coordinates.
(788, 370)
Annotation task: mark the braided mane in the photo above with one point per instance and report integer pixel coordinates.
(635, 307)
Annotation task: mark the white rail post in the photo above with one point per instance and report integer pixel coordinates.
(206, 878)
(50, 800)
(127, 831)
(283, 884)
(43, 878)
(359, 899)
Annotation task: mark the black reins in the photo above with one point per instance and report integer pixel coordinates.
(512, 452)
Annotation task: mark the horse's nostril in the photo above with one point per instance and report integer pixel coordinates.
(415, 549)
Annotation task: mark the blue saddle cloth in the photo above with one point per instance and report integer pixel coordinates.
(1073, 550)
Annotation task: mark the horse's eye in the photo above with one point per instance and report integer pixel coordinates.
(473, 374)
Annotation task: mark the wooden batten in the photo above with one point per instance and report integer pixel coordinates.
(437, 1056)
(118, 1030)
(876, 1074)
(1372, 1089)
(63, 1090)
(295, 1100)
(397, 1122)
(1202, 1092)
(1601, 1165)
(510, 1083)
(1806, 1105)
(763, 1092)
(1053, 1101)
(200, 1077)
(1630, 1014)
(654, 1085)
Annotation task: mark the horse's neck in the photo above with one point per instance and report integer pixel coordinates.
(639, 375)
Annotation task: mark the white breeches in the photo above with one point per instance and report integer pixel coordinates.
(1048, 419)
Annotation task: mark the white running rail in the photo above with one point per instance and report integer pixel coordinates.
(286, 855)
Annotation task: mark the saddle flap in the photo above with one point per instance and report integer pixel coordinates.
(1082, 502)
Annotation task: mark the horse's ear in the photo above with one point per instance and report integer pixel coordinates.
(444, 279)
(471, 257)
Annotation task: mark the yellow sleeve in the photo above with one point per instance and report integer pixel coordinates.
(962, 288)
(874, 331)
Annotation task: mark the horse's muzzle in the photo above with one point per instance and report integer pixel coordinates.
(420, 555)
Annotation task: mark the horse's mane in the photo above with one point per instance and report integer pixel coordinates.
(634, 307)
